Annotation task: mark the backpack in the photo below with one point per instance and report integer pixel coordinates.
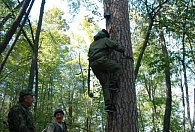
(44, 130)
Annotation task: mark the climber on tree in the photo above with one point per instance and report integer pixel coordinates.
(101, 65)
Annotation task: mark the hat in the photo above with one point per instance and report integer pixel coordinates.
(58, 111)
(106, 32)
(26, 92)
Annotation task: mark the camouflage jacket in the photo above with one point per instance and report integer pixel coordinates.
(102, 46)
(20, 119)
(54, 127)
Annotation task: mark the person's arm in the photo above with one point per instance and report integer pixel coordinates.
(51, 128)
(19, 119)
(114, 45)
(65, 127)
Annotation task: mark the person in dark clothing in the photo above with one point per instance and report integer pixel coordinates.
(101, 65)
(20, 118)
(58, 125)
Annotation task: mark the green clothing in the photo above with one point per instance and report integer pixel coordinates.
(55, 127)
(20, 119)
(101, 65)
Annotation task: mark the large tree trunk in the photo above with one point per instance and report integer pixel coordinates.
(125, 119)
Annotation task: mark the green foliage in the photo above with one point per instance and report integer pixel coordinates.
(175, 20)
(7, 14)
(62, 65)
(90, 5)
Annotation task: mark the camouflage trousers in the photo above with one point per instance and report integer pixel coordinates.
(102, 69)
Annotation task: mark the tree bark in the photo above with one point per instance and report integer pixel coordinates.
(35, 53)
(16, 38)
(125, 119)
(34, 64)
(184, 28)
(186, 86)
(14, 26)
(138, 64)
(167, 115)
(9, 15)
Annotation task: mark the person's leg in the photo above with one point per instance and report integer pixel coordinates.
(115, 72)
(114, 68)
(107, 65)
(103, 77)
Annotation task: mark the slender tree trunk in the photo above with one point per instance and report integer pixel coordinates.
(36, 90)
(138, 64)
(186, 88)
(167, 115)
(16, 38)
(125, 119)
(193, 58)
(154, 111)
(70, 110)
(183, 105)
(35, 53)
(14, 26)
(9, 15)
(184, 68)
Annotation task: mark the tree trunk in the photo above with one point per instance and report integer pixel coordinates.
(186, 86)
(16, 38)
(167, 115)
(14, 26)
(7, 17)
(138, 64)
(34, 65)
(183, 105)
(183, 61)
(35, 53)
(125, 119)
(193, 58)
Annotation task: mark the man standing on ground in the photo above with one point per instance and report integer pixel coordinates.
(58, 125)
(102, 66)
(20, 118)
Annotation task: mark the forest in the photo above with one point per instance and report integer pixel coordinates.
(49, 54)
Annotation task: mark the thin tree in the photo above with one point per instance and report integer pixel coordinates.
(184, 64)
(167, 115)
(14, 26)
(152, 15)
(34, 65)
(7, 17)
(17, 36)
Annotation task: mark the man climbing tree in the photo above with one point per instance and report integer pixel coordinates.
(101, 65)
(125, 119)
